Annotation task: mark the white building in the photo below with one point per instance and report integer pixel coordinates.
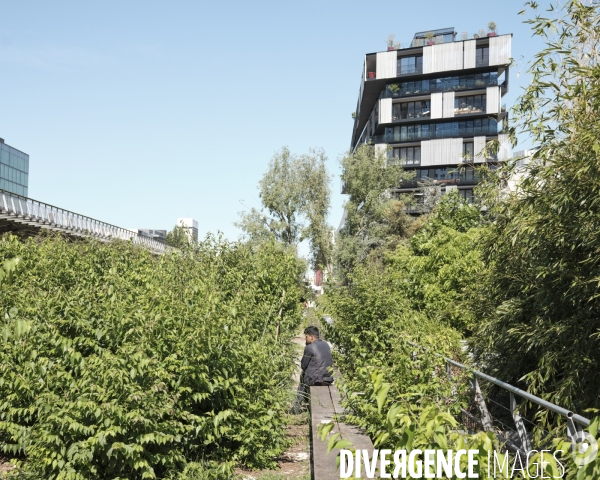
(434, 103)
(190, 226)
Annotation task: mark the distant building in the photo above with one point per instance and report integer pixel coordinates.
(159, 235)
(14, 170)
(520, 170)
(191, 227)
(434, 103)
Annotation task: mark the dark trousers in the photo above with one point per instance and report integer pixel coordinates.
(303, 393)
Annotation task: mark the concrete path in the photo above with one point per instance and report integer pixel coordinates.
(324, 408)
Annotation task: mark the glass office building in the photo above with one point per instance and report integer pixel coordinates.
(14, 170)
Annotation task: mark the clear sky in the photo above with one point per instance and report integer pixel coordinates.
(139, 112)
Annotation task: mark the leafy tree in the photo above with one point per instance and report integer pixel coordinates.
(178, 237)
(539, 300)
(373, 217)
(295, 194)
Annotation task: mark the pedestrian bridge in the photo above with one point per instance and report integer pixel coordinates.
(27, 216)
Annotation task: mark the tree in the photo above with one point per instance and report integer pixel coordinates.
(295, 195)
(539, 301)
(373, 216)
(178, 237)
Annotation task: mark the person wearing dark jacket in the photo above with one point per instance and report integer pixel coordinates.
(316, 362)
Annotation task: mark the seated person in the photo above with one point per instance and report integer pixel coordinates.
(315, 364)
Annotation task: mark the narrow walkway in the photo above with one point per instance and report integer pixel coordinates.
(324, 408)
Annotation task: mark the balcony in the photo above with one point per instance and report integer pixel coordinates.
(411, 133)
(446, 176)
(404, 162)
(445, 84)
(468, 106)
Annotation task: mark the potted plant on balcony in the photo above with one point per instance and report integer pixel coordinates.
(429, 37)
(354, 115)
(390, 42)
(393, 88)
(370, 74)
(492, 29)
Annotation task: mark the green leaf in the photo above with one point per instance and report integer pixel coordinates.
(381, 395)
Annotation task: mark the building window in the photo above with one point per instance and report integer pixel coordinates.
(406, 110)
(408, 155)
(482, 56)
(469, 104)
(480, 126)
(467, 195)
(410, 65)
(468, 151)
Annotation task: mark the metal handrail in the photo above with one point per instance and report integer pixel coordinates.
(585, 422)
(58, 219)
(522, 393)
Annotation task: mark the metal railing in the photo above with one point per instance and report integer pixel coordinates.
(27, 211)
(575, 422)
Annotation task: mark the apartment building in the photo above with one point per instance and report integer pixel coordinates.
(434, 102)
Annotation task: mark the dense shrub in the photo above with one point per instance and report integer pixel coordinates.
(390, 321)
(539, 298)
(115, 363)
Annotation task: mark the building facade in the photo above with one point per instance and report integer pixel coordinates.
(14, 170)
(190, 226)
(159, 235)
(435, 104)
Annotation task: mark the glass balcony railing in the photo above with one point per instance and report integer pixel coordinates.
(408, 133)
(445, 84)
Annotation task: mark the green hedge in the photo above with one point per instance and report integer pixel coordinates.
(115, 363)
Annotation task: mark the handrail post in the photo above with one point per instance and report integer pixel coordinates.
(574, 431)
(521, 430)
(486, 419)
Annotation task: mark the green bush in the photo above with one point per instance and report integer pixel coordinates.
(115, 363)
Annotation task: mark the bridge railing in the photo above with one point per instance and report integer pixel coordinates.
(575, 423)
(33, 212)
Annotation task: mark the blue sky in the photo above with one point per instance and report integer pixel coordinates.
(136, 113)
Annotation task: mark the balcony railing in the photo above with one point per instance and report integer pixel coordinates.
(409, 71)
(469, 109)
(432, 133)
(446, 84)
(19, 209)
(399, 116)
(458, 180)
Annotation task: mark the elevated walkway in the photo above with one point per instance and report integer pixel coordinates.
(325, 407)
(28, 216)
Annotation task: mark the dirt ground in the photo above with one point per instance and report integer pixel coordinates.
(5, 466)
(294, 463)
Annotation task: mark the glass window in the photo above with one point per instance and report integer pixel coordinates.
(406, 110)
(468, 151)
(410, 65)
(467, 195)
(408, 155)
(482, 56)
